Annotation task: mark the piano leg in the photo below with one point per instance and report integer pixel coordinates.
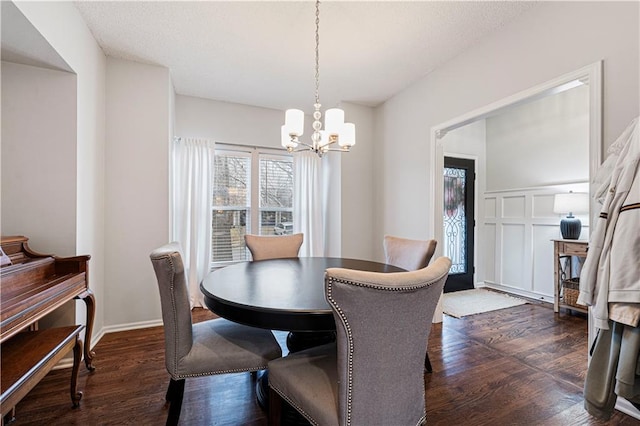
(90, 301)
(77, 356)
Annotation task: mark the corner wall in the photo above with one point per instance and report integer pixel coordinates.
(138, 108)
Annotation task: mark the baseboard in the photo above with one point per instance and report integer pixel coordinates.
(516, 291)
(67, 362)
(131, 326)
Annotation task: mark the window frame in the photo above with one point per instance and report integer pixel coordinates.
(255, 154)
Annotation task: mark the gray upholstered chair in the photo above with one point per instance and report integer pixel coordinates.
(212, 347)
(273, 246)
(410, 255)
(364, 379)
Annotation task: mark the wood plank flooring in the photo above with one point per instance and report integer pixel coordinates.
(517, 366)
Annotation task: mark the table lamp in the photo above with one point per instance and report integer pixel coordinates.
(572, 202)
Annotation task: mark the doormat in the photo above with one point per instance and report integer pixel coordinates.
(478, 300)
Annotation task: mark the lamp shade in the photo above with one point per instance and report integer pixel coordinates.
(572, 202)
(294, 122)
(333, 121)
(347, 135)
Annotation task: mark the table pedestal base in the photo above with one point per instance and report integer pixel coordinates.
(300, 340)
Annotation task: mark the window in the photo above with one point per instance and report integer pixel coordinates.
(252, 193)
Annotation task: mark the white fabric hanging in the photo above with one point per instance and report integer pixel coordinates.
(192, 189)
(308, 209)
(610, 272)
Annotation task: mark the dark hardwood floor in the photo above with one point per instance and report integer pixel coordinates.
(518, 366)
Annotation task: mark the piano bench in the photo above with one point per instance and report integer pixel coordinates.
(28, 356)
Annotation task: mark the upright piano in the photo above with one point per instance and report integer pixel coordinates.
(33, 285)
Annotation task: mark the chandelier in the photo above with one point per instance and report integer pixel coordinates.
(336, 131)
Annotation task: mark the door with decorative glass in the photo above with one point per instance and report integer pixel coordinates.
(459, 222)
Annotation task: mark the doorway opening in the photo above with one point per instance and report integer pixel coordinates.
(518, 177)
(459, 222)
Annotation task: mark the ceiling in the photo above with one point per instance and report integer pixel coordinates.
(262, 52)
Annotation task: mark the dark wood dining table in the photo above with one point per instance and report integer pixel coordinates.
(280, 294)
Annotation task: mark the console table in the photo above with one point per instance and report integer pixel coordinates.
(564, 249)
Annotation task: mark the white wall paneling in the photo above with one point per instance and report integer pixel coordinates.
(520, 238)
(490, 248)
(542, 260)
(512, 254)
(513, 206)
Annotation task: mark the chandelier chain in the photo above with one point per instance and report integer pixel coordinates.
(336, 136)
(317, 51)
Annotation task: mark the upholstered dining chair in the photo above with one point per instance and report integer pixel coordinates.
(215, 346)
(373, 374)
(273, 246)
(410, 255)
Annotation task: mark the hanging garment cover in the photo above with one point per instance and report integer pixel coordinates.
(611, 272)
(613, 370)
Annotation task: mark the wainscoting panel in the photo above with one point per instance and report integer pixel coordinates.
(513, 207)
(543, 207)
(490, 207)
(489, 252)
(517, 248)
(513, 254)
(543, 259)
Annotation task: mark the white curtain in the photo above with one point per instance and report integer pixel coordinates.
(308, 209)
(192, 189)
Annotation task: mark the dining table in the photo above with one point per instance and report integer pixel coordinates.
(281, 294)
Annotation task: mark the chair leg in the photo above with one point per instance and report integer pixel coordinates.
(275, 408)
(427, 363)
(175, 392)
(171, 390)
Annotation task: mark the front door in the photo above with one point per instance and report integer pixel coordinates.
(459, 223)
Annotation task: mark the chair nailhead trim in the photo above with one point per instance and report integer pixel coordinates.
(347, 328)
(213, 373)
(348, 331)
(175, 313)
(296, 406)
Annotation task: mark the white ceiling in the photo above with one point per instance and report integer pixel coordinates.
(262, 52)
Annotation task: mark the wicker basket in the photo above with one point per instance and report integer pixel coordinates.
(570, 292)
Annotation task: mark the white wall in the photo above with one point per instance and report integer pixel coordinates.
(73, 41)
(544, 142)
(138, 106)
(357, 189)
(551, 40)
(39, 157)
(227, 122)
